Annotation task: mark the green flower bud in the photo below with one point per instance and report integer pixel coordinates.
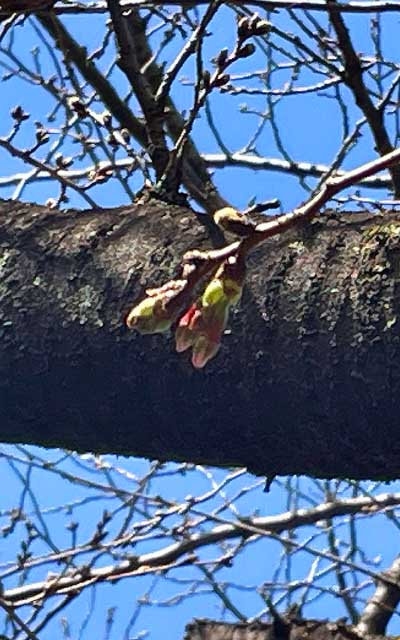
(203, 351)
(149, 317)
(214, 293)
(184, 338)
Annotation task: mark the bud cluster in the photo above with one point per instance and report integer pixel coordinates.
(247, 27)
(202, 325)
(253, 26)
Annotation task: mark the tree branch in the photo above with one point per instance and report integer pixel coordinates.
(195, 175)
(182, 552)
(353, 77)
(297, 629)
(268, 5)
(130, 65)
(212, 160)
(317, 335)
(381, 606)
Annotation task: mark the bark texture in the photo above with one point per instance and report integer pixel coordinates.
(294, 630)
(308, 380)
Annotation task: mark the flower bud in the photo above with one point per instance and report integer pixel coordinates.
(246, 51)
(234, 222)
(158, 311)
(149, 317)
(222, 290)
(184, 339)
(203, 351)
(185, 334)
(213, 293)
(243, 27)
(206, 79)
(222, 58)
(262, 28)
(203, 324)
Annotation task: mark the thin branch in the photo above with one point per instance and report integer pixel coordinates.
(17, 620)
(174, 167)
(307, 169)
(353, 77)
(267, 5)
(329, 189)
(341, 576)
(42, 166)
(212, 160)
(171, 73)
(195, 175)
(182, 551)
(106, 92)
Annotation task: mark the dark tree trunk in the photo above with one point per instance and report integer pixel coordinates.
(295, 630)
(308, 380)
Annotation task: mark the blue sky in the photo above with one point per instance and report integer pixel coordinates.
(310, 131)
(255, 565)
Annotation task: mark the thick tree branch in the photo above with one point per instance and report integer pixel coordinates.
(296, 630)
(130, 65)
(381, 606)
(311, 364)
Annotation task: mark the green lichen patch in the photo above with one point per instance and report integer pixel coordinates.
(84, 307)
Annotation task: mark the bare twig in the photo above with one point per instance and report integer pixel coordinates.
(329, 189)
(15, 618)
(268, 5)
(212, 160)
(42, 166)
(78, 55)
(195, 175)
(353, 77)
(306, 169)
(181, 551)
(173, 169)
(194, 171)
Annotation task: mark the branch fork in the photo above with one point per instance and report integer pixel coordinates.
(223, 270)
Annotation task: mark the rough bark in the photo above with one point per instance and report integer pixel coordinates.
(307, 381)
(294, 630)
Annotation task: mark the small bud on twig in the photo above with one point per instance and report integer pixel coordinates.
(246, 51)
(206, 80)
(19, 114)
(243, 28)
(75, 104)
(262, 28)
(221, 80)
(222, 58)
